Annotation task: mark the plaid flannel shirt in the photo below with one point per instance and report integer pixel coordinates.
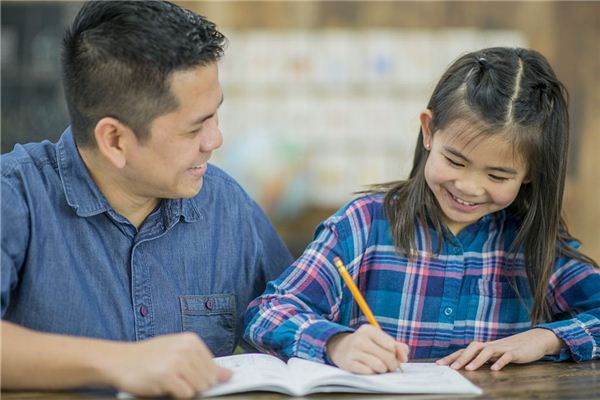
(436, 304)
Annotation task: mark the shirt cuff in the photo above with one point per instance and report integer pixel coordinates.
(313, 339)
(576, 335)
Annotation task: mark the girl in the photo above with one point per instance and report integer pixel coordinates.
(469, 259)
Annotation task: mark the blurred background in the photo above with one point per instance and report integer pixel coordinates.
(322, 98)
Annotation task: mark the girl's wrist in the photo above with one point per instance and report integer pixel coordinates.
(554, 343)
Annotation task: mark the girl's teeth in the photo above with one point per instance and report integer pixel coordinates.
(466, 203)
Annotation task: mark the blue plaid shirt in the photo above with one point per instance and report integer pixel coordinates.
(436, 304)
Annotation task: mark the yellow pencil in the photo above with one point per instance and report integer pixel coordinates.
(360, 300)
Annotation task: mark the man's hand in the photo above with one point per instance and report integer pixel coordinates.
(178, 365)
(369, 350)
(521, 348)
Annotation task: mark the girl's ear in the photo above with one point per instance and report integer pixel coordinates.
(425, 117)
(113, 138)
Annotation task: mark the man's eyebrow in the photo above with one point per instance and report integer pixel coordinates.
(204, 118)
(458, 154)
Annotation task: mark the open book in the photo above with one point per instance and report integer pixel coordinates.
(263, 372)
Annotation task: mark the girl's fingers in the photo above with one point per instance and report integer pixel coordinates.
(402, 351)
(388, 358)
(376, 363)
(449, 359)
(381, 346)
(381, 339)
(484, 356)
(469, 354)
(502, 362)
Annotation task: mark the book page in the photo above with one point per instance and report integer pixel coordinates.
(252, 371)
(415, 378)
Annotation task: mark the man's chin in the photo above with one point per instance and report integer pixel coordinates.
(194, 192)
(187, 192)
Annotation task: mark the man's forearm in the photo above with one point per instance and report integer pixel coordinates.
(36, 360)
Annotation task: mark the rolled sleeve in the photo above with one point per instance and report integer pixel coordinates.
(575, 301)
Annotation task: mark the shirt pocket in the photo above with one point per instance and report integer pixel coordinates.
(498, 308)
(213, 318)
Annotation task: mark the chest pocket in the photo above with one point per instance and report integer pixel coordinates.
(493, 302)
(212, 317)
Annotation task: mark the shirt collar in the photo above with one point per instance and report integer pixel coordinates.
(85, 197)
(81, 191)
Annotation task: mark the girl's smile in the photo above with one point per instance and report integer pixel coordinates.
(460, 204)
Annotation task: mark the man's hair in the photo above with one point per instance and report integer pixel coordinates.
(118, 57)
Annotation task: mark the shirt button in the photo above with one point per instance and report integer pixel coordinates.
(209, 304)
(448, 311)
(143, 311)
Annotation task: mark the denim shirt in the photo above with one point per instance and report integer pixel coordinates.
(72, 265)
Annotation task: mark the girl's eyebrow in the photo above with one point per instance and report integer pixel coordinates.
(458, 154)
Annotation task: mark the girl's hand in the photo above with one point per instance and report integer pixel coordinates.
(369, 350)
(521, 348)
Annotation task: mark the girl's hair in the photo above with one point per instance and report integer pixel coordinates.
(513, 92)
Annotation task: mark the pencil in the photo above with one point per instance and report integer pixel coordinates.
(360, 300)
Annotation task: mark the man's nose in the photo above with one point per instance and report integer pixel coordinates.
(212, 141)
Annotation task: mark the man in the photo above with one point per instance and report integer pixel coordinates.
(120, 237)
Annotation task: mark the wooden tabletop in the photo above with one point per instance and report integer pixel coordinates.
(540, 380)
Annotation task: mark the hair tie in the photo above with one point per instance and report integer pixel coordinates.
(483, 63)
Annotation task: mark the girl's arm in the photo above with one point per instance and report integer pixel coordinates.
(574, 292)
(297, 313)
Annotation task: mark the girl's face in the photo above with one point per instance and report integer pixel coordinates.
(470, 178)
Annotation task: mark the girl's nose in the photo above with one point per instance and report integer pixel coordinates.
(469, 187)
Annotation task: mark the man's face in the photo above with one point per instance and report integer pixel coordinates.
(171, 163)
(472, 179)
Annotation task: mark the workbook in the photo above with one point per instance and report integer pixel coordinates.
(298, 377)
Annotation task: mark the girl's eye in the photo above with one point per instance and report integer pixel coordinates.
(498, 178)
(453, 163)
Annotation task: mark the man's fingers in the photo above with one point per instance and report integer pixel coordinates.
(223, 374)
(179, 388)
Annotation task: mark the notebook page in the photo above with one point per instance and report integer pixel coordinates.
(415, 378)
(251, 372)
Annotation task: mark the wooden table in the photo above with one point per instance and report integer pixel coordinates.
(540, 380)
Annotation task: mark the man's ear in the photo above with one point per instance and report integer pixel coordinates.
(112, 139)
(425, 117)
